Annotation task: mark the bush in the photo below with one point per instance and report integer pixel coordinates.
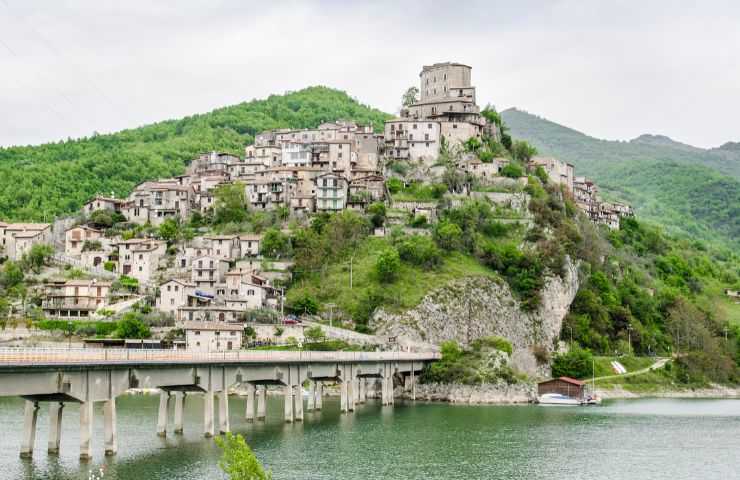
(388, 265)
(394, 185)
(315, 334)
(377, 214)
(499, 343)
(110, 266)
(275, 244)
(577, 363)
(132, 326)
(448, 235)
(512, 170)
(305, 305)
(421, 251)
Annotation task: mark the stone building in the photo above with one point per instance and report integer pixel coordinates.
(212, 336)
(74, 299)
(16, 239)
(75, 238)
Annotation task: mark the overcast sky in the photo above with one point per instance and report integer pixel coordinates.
(612, 69)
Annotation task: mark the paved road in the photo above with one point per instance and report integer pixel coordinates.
(658, 364)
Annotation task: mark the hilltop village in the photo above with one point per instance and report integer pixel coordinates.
(212, 284)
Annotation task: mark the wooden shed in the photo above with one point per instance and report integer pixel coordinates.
(564, 386)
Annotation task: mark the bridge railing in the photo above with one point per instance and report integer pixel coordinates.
(83, 356)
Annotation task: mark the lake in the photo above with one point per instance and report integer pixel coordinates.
(630, 439)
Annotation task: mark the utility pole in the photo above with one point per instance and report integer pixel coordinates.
(351, 259)
(331, 313)
(629, 337)
(282, 303)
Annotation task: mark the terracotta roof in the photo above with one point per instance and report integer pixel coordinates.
(572, 381)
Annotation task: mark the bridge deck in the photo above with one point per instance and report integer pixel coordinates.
(43, 357)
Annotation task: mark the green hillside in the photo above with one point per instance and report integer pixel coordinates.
(690, 191)
(40, 182)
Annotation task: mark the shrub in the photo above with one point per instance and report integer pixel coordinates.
(132, 326)
(448, 235)
(577, 363)
(315, 334)
(388, 265)
(512, 170)
(394, 185)
(377, 214)
(275, 243)
(110, 266)
(305, 305)
(418, 221)
(499, 343)
(420, 251)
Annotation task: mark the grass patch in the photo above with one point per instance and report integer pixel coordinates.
(603, 364)
(409, 288)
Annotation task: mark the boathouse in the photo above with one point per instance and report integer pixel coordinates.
(564, 385)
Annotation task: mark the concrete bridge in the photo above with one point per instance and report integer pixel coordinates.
(85, 376)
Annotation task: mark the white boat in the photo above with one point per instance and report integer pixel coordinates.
(557, 399)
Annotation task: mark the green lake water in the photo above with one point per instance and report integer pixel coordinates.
(631, 439)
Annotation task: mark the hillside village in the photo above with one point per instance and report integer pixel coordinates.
(215, 280)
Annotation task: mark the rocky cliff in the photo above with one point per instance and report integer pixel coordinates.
(474, 307)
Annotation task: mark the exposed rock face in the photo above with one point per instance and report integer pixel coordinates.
(473, 307)
(475, 394)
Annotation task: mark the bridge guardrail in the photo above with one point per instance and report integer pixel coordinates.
(83, 356)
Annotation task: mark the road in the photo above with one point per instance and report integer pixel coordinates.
(658, 364)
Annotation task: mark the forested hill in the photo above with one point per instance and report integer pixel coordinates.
(688, 190)
(40, 182)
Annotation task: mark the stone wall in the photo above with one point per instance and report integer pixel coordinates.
(474, 307)
(475, 394)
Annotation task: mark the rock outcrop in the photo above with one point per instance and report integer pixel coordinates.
(487, 393)
(474, 307)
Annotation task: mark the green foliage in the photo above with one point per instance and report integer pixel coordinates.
(419, 250)
(101, 219)
(92, 246)
(275, 244)
(486, 361)
(37, 257)
(110, 266)
(305, 305)
(512, 170)
(448, 235)
(410, 96)
(169, 230)
(230, 205)
(125, 282)
(131, 325)
(540, 173)
(576, 363)
(388, 265)
(377, 212)
(238, 460)
(522, 151)
(315, 334)
(11, 275)
(416, 191)
(394, 185)
(56, 178)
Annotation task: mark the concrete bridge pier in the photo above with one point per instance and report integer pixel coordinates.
(362, 390)
(311, 403)
(223, 411)
(86, 430)
(208, 427)
(298, 400)
(288, 403)
(343, 398)
(110, 433)
(55, 427)
(409, 384)
(319, 396)
(356, 400)
(164, 406)
(179, 407)
(249, 414)
(30, 417)
(261, 402)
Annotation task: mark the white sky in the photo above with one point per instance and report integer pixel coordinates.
(613, 69)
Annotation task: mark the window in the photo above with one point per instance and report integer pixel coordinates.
(172, 301)
(414, 126)
(429, 125)
(426, 136)
(169, 288)
(197, 332)
(177, 288)
(454, 125)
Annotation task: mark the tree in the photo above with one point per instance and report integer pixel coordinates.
(11, 275)
(410, 97)
(37, 256)
(275, 243)
(315, 334)
(512, 170)
(522, 151)
(305, 305)
(101, 219)
(238, 460)
(169, 231)
(230, 205)
(132, 326)
(388, 265)
(377, 214)
(448, 235)
(577, 363)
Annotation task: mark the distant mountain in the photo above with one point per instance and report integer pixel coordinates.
(689, 190)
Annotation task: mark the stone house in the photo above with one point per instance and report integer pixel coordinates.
(331, 192)
(249, 244)
(75, 238)
(558, 172)
(74, 298)
(18, 238)
(203, 336)
(102, 203)
(174, 294)
(208, 271)
(225, 247)
(139, 257)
